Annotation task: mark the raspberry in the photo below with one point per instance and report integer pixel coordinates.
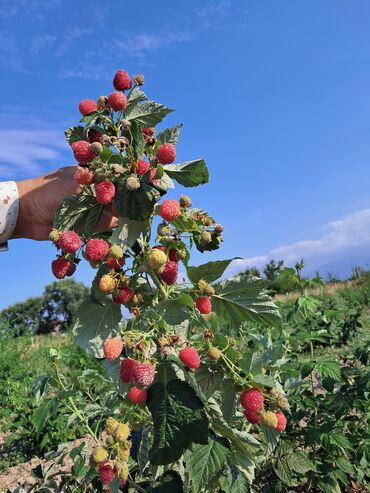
(169, 273)
(173, 255)
(143, 374)
(252, 417)
(270, 419)
(123, 295)
(214, 353)
(122, 81)
(282, 402)
(166, 153)
(122, 470)
(149, 131)
(116, 251)
(87, 106)
(123, 453)
(100, 454)
(94, 135)
(54, 235)
(185, 201)
(117, 101)
(115, 263)
(206, 237)
(112, 348)
(110, 425)
(60, 267)
(96, 249)
(190, 357)
(82, 152)
(69, 242)
(105, 192)
(96, 148)
(170, 210)
(106, 472)
(252, 400)
(142, 167)
(132, 183)
(127, 368)
(281, 421)
(204, 305)
(83, 176)
(156, 258)
(122, 432)
(218, 228)
(137, 396)
(102, 102)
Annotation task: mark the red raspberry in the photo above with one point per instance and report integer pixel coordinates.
(115, 263)
(252, 417)
(106, 472)
(105, 192)
(69, 242)
(137, 396)
(173, 255)
(87, 106)
(161, 248)
(127, 368)
(204, 305)
(170, 210)
(281, 421)
(142, 167)
(81, 151)
(149, 131)
(96, 249)
(95, 136)
(61, 267)
(117, 101)
(152, 174)
(252, 400)
(190, 357)
(123, 296)
(169, 273)
(112, 348)
(143, 374)
(166, 153)
(83, 176)
(122, 81)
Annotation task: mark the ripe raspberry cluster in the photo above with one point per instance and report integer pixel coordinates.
(252, 400)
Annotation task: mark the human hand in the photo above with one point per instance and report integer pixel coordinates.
(40, 197)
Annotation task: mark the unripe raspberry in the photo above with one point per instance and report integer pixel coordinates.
(169, 273)
(96, 249)
(107, 283)
(106, 472)
(123, 295)
(143, 374)
(123, 453)
(156, 258)
(252, 417)
(149, 131)
(207, 221)
(126, 369)
(82, 152)
(102, 102)
(137, 396)
(166, 153)
(137, 299)
(100, 454)
(139, 79)
(142, 167)
(218, 228)
(185, 201)
(122, 81)
(112, 348)
(117, 101)
(132, 183)
(95, 135)
(115, 263)
(105, 192)
(206, 288)
(115, 251)
(190, 357)
(111, 425)
(83, 176)
(54, 235)
(163, 229)
(281, 421)
(204, 305)
(214, 353)
(60, 267)
(206, 237)
(252, 400)
(122, 432)
(69, 242)
(87, 106)
(122, 471)
(96, 148)
(170, 210)
(269, 419)
(282, 402)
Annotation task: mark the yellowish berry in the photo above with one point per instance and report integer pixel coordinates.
(122, 432)
(100, 454)
(156, 258)
(111, 425)
(107, 284)
(122, 470)
(214, 353)
(269, 419)
(123, 454)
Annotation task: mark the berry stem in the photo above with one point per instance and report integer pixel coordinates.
(159, 285)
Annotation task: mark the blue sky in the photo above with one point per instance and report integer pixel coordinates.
(274, 94)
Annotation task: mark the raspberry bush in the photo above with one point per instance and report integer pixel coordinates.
(198, 410)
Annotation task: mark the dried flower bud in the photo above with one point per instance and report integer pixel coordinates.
(102, 103)
(138, 79)
(185, 201)
(218, 228)
(132, 183)
(96, 148)
(206, 237)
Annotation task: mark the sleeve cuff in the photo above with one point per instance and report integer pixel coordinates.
(9, 209)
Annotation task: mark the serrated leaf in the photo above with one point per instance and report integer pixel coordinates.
(135, 96)
(211, 271)
(234, 481)
(92, 219)
(169, 482)
(283, 472)
(73, 134)
(74, 210)
(228, 398)
(208, 381)
(189, 174)
(300, 462)
(242, 441)
(327, 368)
(136, 205)
(127, 232)
(251, 362)
(272, 438)
(169, 135)
(147, 114)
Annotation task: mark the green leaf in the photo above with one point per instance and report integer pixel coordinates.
(178, 418)
(243, 443)
(208, 380)
(228, 395)
(127, 232)
(204, 463)
(299, 462)
(94, 323)
(135, 96)
(211, 271)
(251, 362)
(136, 205)
(243, 299)
(73, 134)
(283, 472)
(169, 135)
(147, 114)
(234, 481)
(272, 438)
(327, 368)
(169, 482)
(92, 219)
(189, 174)
(74, 210)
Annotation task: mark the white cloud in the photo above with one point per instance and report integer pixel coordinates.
(15, 7)
(213, 14)
(351, 234)
(143, 43)
(42, 41)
